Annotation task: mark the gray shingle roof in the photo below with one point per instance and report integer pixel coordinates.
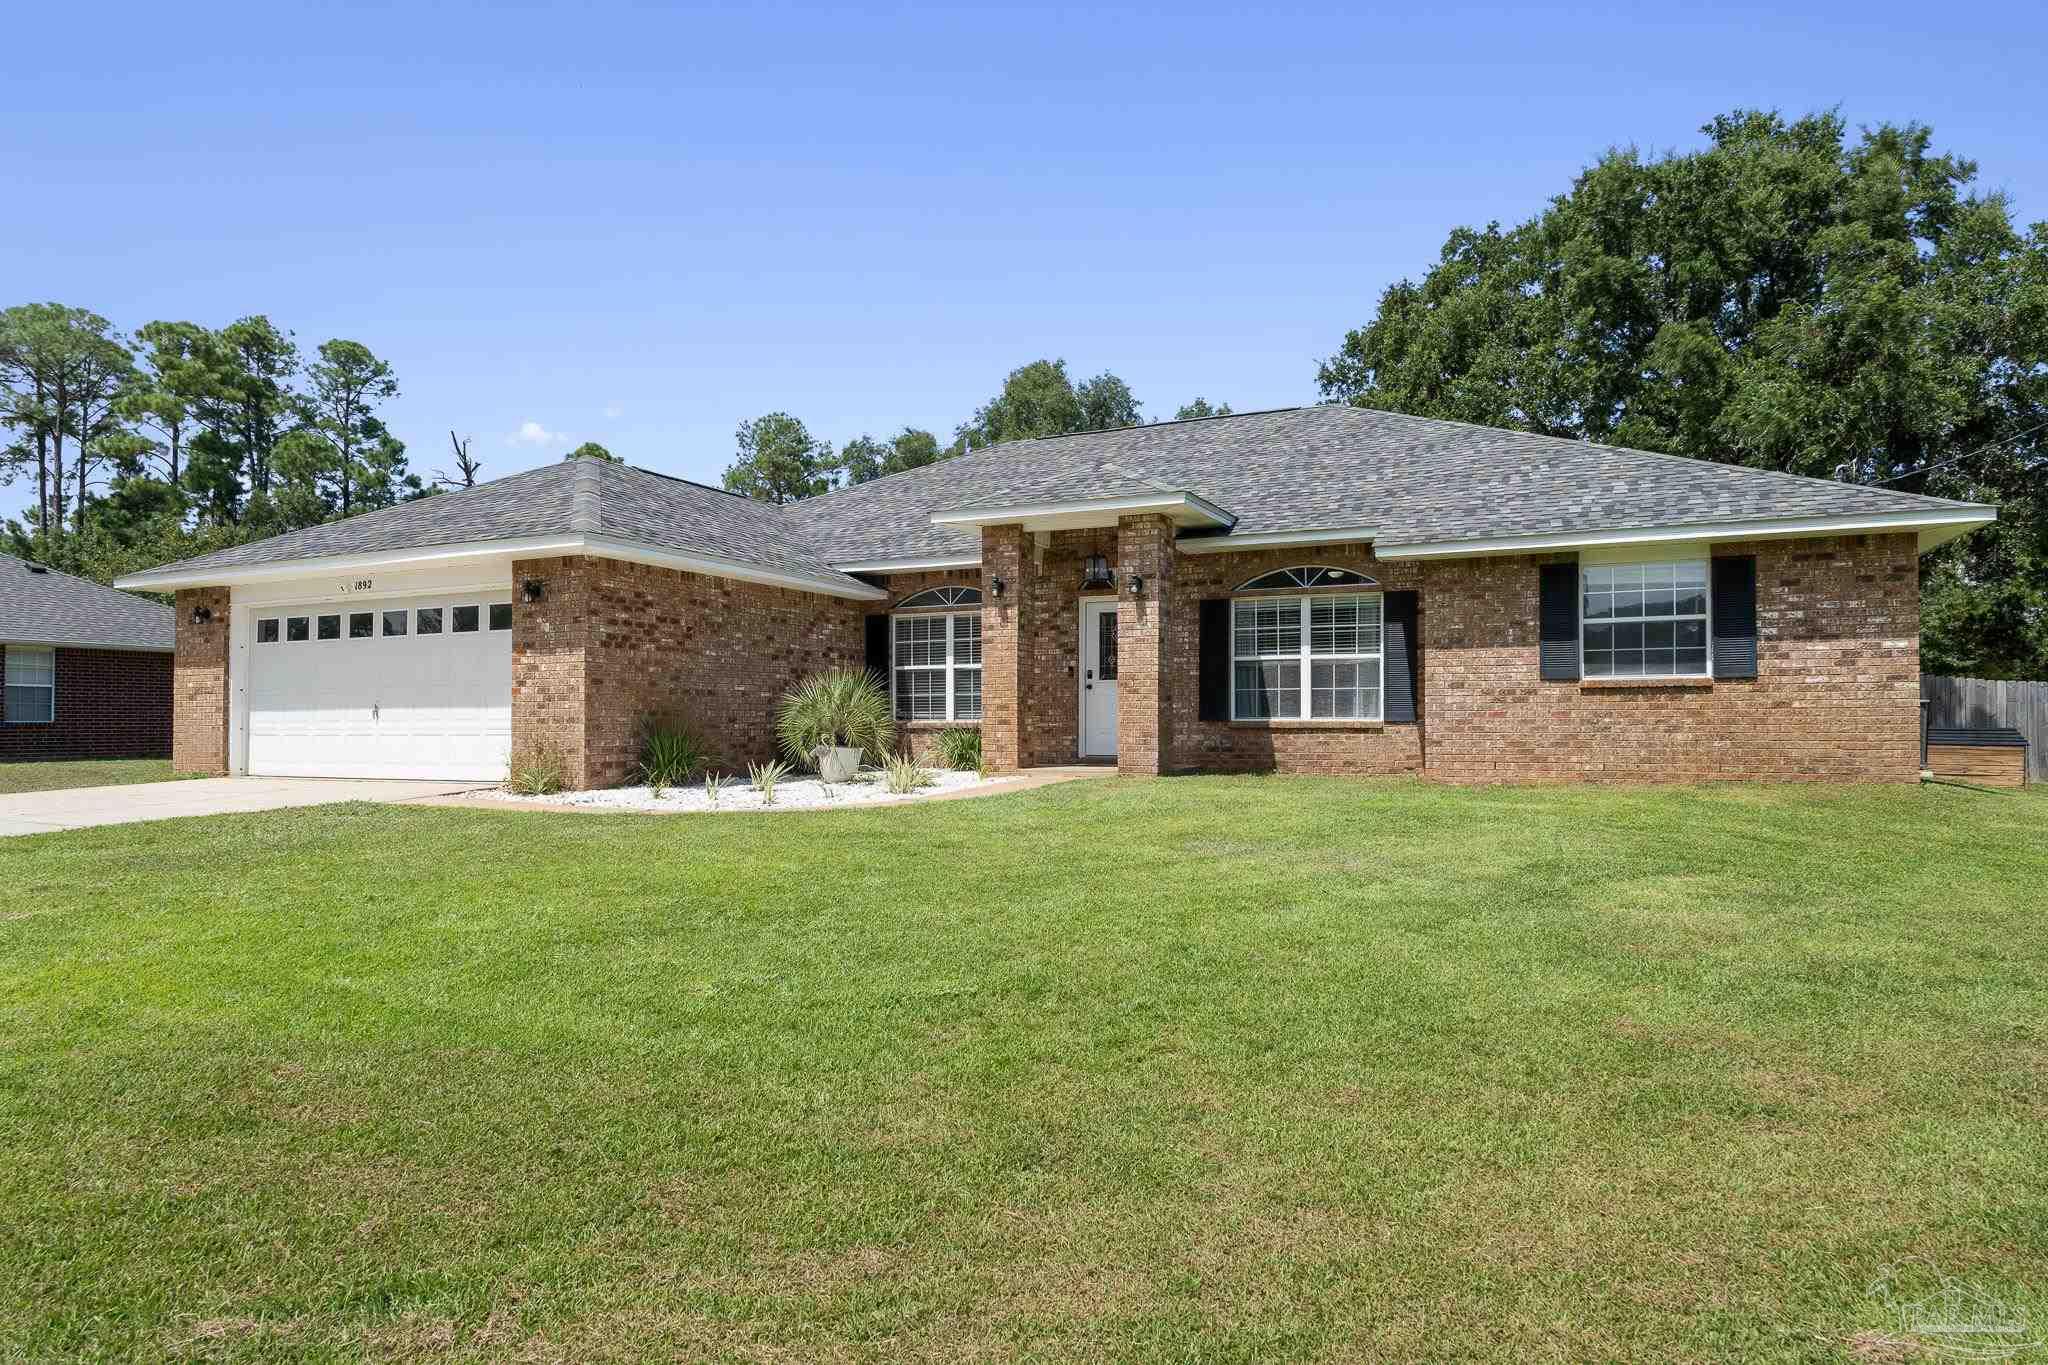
(51, 608)
(571, 497)
(1411, 479)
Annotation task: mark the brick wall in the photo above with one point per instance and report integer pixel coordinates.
(1836, 696)
(111, 703)
(614, 646)
(1148, 668)
(199, 685)
(1299, 746)
(549, 677)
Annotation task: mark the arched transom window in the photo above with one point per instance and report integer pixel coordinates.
(1306, 576)
(950, 595)
(935, 654)
(1306, 655)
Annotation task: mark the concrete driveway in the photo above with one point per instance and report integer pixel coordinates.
(82, 807)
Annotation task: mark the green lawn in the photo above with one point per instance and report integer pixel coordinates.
(1219, 1068)
(84, 772)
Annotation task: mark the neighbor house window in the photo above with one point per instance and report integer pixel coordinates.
(935, 659)
(31, 685)
(1644, 620)
(1313, 657)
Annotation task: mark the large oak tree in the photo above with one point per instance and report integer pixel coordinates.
(1788, 297)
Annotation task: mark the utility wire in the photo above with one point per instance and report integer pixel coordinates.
(1955, 459)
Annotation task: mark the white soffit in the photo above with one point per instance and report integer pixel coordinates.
(1185, 509)
(161, 580)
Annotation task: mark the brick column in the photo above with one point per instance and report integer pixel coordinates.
(199, 684)
(1003, 622)
(550, 676)
(1144, 546)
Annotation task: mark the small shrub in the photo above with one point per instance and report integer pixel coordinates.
(960, 749)
(714, 784)
(766, 777)
(672, 755)
(537, 771)
(906, 775)
(843, 708)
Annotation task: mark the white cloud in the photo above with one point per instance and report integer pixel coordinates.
(614, 410)
(534, 434)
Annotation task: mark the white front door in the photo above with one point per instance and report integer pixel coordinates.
(417, 687)
(1098, 679)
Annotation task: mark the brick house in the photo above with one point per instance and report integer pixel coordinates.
(86, 669)
(1320, 589)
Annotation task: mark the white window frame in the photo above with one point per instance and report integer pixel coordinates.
(1706, 564)
(50, 687)
(951, 668)
(1303, 603)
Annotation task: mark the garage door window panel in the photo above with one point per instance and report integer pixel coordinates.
(360, 625)
(429, 620)
(501, 616)
(394, 622)
(329, 628)
(465, 620)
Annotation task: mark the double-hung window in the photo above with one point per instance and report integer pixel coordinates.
(1315, 657)
(1644, 620)
(936, 665)
(31, 685)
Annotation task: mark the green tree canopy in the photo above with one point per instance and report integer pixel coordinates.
(1787, 298)
(864, 458)
(1200, 408)
(589, 450)
(780, 461)
(1039, 399)
(342, 459)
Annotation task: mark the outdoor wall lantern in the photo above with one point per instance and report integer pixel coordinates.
(532, 590)
(1095, 573)
(1137, 585)
(997, 587)
(201, 615)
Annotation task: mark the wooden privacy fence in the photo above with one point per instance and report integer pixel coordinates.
(1980, 703)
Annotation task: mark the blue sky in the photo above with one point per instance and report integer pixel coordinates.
(642, 224)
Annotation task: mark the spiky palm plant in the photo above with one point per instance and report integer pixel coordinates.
(842, 708)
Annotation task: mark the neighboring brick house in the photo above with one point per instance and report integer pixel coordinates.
(86, 669)
(1319, 589)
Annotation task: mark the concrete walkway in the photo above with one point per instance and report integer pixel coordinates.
(83, 807)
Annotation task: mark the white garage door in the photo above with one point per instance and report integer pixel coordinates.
(420, 687)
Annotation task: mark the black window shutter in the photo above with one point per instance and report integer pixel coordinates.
(1558, 614)
(1215, 658)
(878, 646)
(1735, 617)
(1403, 655)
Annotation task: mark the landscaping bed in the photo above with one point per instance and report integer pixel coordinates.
(795, 793)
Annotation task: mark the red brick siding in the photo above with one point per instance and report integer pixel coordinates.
(199, 685)
(1836, 696)
(1147, 670)
(646, 644)
(549, 677)
(1300, 747)
(111, 703)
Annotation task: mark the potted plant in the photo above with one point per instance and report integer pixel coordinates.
(829, 719)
